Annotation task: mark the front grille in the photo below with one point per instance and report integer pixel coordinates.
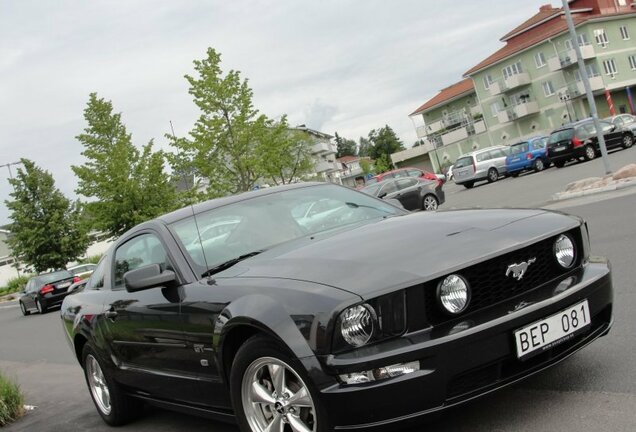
(489, 283)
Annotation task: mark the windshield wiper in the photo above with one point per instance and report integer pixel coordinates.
(356, 205)
(229, 263)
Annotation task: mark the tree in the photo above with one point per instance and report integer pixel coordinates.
(365, 165)
(364, 147)
(382, 163)
(129, 186)
(226, 144)
(46, 228)
(345, 147)
(384, 141)
(285, 154)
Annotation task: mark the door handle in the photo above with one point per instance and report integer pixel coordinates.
(111, 314)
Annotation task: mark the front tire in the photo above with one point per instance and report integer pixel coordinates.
(113, 405)
(429, 203)
(24, 310)
(590, 153)
(493, 175)
(269, 389)
(628, 141)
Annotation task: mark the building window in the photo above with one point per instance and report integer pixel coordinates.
(624, 33)
(632, 62)
(622, 2)
(494, 108)
(582, 38)
(548, 88)
(539, 60)
(601, 37)
(512, 69)
(487, 81)
(610, 67)
(568, 44)
(591, 69)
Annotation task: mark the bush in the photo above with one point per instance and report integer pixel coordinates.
(93, 259)
(15, 284)
(11, 401)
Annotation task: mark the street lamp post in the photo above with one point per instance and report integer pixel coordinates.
(8, 165)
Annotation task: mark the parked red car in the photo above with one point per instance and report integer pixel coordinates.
(403, 172)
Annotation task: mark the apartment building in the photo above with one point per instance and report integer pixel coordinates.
(532, 84)
(323, 152)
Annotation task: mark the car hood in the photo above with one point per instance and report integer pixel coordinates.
(398, 252)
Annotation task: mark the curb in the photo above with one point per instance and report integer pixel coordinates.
(560, 196)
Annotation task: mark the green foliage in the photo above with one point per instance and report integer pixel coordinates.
(384, 142)
(365, 165)
(284, 154)
(382, 163)
(232, 145)
(46, 227)
(11, 401)
(345, 147)
(364, 147)
(129, 186)
(15, 284)
(93, 259)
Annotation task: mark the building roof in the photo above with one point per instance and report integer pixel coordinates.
(310, 131)
(446, 94)
(348, 159)
(547, 23)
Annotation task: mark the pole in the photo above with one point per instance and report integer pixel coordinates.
(8, 165)
(586, 84)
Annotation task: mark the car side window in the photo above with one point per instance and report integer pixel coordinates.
(96, 281)
(482, 156)
(388, 188)
(138, 252)
(414, 173)
(606, 127)
(629, 119)
(406, 183)
(618, 121)
(497, 153)
(401, 173)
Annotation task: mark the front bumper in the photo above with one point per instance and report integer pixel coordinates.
(464, 358)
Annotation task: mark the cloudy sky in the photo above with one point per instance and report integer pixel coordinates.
(335, 65)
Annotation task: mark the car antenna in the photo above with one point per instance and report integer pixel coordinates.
(194, 216)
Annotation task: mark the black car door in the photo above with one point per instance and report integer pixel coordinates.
(613, 135)
(29, 294)
(408, 193)
(144, 328)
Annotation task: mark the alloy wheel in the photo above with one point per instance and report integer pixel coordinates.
(538, 165)
(589, 153)
(493, 175)
(628, 141)
(97, 384)
(430, 203)
(275, 398)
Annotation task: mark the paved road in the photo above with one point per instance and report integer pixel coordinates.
(593, 390)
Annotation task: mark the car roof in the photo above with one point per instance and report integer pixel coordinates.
(399, 169)
(482, 150)
(532, 138)
(572, 125)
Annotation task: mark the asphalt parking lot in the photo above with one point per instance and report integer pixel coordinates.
(591, 391)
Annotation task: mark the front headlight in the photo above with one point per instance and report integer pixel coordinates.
(453, 293)
(357, 324)
(564, 251)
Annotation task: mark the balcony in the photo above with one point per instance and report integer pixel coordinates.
(506, 116)
(576, 89)
(510, 83)
(526, 109)
(567, 58)
(323, 148)
(326, 166)
(455, 135)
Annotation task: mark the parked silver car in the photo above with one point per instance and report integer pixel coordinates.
(485, 164)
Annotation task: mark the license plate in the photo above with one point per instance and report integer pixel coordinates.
(64, 285)
(552, 331)
(516, 159)
(559, 148)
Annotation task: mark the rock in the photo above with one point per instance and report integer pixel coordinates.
(625, 172)
(581, 184)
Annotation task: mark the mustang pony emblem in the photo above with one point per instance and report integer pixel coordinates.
(518, 270)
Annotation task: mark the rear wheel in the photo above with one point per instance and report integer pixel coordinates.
(270, 390)
(539, 165)
(493, 175)
(559, 164)
(590, 153)
(24, 310)
(429, 203)
(628, 141)
(113, 405)
(40, 307)
(469, 185)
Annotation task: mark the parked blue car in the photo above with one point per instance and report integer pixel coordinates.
(531, 154)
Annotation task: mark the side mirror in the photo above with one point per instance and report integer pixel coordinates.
(382, 195)
(147, 277)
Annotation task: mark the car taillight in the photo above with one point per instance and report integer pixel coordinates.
(46, 289)
(76, 279)
(529, 156)
(576, 142)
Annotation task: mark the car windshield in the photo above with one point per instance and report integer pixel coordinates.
(54, 277)
(561, 135)
(463, 161)
(262, 222)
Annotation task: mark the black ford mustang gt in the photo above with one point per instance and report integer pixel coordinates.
(360, 316)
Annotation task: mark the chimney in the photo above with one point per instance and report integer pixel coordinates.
(545, 8)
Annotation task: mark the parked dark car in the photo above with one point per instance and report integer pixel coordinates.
(530, 154)
(579, 141)
(45, 291)
(412, 193)
(624, 121)
(385, 317)
(402, 172)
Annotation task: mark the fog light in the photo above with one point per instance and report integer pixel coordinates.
(454, 294)
(382, 373)
(564, 251)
